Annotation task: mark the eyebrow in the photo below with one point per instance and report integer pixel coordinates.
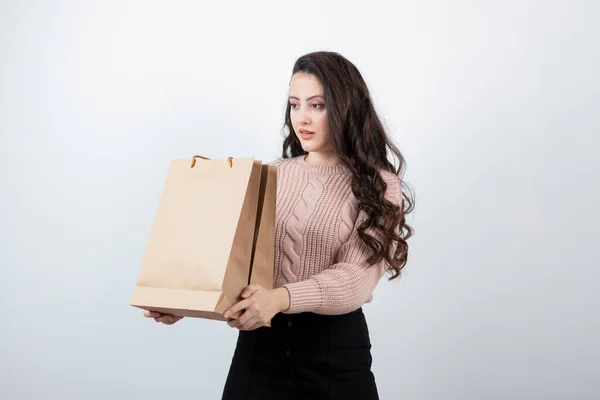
(308, 98)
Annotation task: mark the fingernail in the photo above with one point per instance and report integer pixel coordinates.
(226, 315)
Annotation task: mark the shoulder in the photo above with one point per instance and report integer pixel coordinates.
(280, 162)
(287, 170)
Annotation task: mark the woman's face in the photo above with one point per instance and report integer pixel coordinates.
(308, 113)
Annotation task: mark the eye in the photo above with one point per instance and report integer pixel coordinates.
(318, 105)
(293, 105)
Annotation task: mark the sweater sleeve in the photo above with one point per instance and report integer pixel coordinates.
(349, 283)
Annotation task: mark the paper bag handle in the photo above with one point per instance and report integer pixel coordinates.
(229, 160)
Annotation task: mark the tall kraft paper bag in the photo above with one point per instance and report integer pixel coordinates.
(213, 234)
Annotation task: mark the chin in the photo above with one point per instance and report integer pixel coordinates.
(310, 147)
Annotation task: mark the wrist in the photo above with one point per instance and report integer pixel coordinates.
(283, 298)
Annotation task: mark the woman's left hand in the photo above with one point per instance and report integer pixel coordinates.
(260, 306)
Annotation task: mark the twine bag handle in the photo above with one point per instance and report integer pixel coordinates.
(229, 160)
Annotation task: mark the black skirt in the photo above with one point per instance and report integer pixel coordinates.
(304, 357)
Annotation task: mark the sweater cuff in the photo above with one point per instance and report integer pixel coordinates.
(305, 296)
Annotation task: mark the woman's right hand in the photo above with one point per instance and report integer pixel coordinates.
(166, 319)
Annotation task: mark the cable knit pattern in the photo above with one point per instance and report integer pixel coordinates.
(296, 227)
(349, 215)
(319, 257)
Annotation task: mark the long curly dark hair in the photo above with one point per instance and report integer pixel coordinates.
(362, 145)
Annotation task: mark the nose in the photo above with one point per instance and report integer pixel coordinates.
(302, 118)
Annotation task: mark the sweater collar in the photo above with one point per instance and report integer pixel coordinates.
(339, 169)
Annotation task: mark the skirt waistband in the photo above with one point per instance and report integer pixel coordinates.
(308, 318)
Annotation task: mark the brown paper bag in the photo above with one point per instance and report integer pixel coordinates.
(212, 235)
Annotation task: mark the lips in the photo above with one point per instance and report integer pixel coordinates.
(306, 134)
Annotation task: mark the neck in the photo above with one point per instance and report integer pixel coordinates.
(321, 158)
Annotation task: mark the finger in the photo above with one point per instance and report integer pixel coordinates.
(163, 318)
(242, 319)
(250, 323)
(151, 314)
(239, 306)
(172, 320)
(256, 326)
(246, 316)
(250, 290)
(168, 319)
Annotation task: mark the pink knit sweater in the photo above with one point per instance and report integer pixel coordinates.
(319, 257)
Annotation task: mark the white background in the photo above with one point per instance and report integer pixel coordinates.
(495, 105)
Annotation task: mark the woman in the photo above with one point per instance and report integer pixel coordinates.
(340, 226)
